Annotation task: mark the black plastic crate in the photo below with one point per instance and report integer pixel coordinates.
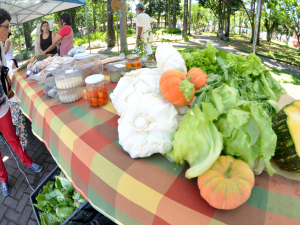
(85, 214)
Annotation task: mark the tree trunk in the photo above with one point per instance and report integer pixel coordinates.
(123, 26)
(27, 27)
(219, 22)
(111, 36)
(94, 16)
(73, 18)
(169, 14)
(228, 19)
(259, 20)
(253, 21)
(185, 10)
(240, 25)
(174, 14)
(190, 17)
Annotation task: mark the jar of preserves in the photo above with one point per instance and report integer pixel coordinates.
(96, 90)
(133, 61)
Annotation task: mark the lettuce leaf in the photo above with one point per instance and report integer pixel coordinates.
(50, 218)
(197, 140)
(247, 133)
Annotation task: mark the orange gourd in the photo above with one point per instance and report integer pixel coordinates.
(227, 184)
(176, 88)
(199, 77)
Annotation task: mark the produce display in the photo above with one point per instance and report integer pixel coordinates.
(58, 201)
(286, 125)
(224, 105)
(227, 184)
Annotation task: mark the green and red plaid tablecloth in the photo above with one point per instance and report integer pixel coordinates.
(84, 143)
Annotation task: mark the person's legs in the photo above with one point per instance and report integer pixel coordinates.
(3, 172)
(8, 131)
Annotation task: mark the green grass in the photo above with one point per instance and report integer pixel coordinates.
(278, 51)
(290, 82)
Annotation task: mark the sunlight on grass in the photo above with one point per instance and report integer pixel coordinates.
(290, 82)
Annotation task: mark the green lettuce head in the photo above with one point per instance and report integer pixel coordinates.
(197, 140)
(248, 135)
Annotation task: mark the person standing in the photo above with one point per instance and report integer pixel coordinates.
(64, 36)
(9, 54)
(6, 126)
(45, 40)
(143, 29)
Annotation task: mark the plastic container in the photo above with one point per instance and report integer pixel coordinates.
(81, 56)
(90, 64)
(114, 70)
(83, 215)
(68, 78)
(96, 90)
(133, 61)
(71, 94)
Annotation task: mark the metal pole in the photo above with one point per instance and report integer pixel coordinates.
(20, 41)
(87, 27)
(256, 25)
(117, 31)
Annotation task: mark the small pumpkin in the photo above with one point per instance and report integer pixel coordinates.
(198, 77)
(176, 88)
(227, 184)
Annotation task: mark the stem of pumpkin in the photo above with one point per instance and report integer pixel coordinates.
(227, 173)
(187, 87)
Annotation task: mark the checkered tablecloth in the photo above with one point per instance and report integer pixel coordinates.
(84, 143)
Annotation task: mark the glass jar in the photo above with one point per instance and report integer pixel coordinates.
(133, 61)
(96, 90)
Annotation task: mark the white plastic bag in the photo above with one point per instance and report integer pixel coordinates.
(168, 58)
(134, 84)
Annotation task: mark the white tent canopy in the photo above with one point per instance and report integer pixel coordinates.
(22, 11)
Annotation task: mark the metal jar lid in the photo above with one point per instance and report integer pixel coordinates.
(133, 56)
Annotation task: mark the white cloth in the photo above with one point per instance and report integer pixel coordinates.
(143, 20)
(4, 105)
(9, 55)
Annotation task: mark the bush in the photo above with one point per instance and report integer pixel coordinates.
(25, 55)
(171, 30)
(130, 31)
(96, 36)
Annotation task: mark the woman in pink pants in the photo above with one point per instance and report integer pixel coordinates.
(6, 126)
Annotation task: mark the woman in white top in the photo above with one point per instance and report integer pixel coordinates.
(9, 55)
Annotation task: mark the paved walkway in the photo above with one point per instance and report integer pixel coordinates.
(16, 209)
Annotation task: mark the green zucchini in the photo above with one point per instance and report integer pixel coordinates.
(286, 125)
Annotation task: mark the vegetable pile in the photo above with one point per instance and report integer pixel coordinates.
(58, 201)
(224, 105)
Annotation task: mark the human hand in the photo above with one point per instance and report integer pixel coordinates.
(10, 94)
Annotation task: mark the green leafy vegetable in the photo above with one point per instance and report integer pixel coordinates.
(58, 201)
(197, 140)
(247, 133)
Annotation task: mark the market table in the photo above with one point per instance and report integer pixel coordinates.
(84, 143)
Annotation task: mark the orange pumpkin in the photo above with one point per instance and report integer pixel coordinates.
(199, 77)
(171, 83)
(227, 184)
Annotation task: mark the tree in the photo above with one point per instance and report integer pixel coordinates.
(272, 15)
(174, 13)
(28, 27)
(185, 12)
(123, 26)
(295, 19)
(190, 15)
(111, 36)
